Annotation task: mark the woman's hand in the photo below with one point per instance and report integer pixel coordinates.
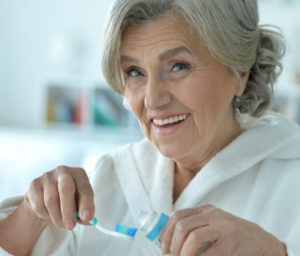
(58, 194)
(55, 196)
(189, 230)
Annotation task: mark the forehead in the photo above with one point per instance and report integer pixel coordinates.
(168, 32)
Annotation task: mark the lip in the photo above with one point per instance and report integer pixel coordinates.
(165, 115)
(170, 129)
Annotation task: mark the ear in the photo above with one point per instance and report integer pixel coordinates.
(241, 86)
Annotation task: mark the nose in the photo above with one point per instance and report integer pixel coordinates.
(157, 95)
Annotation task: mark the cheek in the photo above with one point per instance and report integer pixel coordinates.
(217, 90)
(207, 98)
(198, 96)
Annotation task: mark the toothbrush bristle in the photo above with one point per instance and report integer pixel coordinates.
(95, 221)
(126, 230)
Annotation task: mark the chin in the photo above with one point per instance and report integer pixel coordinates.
(170, 151)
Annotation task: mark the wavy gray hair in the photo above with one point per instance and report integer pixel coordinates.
(230, 31)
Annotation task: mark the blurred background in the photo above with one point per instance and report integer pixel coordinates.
(55, 107)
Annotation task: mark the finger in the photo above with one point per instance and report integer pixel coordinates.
(182, 230)
(213, 249)
(34, 199)
(169, 228)
(199, 239)
(83, 223)
(51, 200)
(85, 196)
(66, 190)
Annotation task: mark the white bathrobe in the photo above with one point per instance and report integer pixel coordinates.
(256, 177)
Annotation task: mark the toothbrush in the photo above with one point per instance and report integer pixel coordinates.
(121, 231)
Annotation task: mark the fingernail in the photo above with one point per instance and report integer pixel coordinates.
(69, 224)
(86, 216)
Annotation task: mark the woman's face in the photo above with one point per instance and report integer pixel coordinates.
(180, 94)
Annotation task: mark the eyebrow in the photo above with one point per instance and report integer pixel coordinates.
(125, 58)
(173, 51)
(162, 56)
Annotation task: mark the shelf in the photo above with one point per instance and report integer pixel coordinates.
(70, 102)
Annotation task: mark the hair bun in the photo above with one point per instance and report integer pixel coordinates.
(264, 73)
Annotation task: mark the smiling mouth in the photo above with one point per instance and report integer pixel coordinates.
(165, 122)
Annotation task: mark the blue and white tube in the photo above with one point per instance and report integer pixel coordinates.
(153, 223)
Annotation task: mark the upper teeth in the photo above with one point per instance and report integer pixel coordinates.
(170, 120)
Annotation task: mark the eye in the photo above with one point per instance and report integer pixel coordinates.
(132, 72)
(179, 66)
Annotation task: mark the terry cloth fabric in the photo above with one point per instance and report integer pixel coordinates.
(255, 177)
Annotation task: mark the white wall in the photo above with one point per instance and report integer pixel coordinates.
(27, 31)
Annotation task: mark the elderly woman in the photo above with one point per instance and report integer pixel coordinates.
(198, 76)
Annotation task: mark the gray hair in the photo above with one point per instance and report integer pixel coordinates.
(228, 28)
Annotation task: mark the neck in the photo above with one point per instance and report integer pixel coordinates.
(182, 178)
(187, 168)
